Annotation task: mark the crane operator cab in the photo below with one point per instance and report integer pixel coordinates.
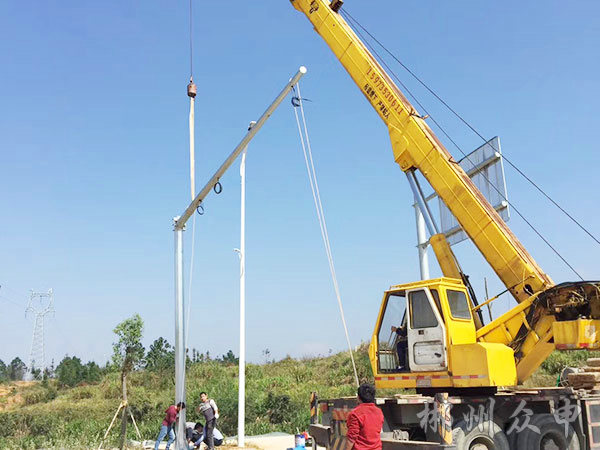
(425, 336)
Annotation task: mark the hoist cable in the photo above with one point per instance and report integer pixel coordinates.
(191, 92)
(314, 186)
(192, 132)
(552, 200)
(382, 61)
(191, 45)
(464, 121)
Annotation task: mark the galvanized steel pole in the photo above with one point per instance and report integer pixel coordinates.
(242, 356)
(180, 345)
(179, 227)
(422, 242)
(420, 198)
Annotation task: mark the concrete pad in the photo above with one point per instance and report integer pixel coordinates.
(271, 441)
(274, 441)
(279, 441)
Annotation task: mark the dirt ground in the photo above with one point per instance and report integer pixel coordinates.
(9, 393)
(273, 441)
(278, 441)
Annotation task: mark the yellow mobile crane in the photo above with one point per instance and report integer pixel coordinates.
(447, 348)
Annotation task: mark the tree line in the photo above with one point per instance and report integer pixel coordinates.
(72, 371)
(69, 372)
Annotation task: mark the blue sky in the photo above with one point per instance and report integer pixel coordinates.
(94, 148)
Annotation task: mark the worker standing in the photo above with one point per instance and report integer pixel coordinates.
(365, 422)
(167, 425)
(209, 409)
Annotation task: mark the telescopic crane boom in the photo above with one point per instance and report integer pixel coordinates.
(415, 147)
(447, 344)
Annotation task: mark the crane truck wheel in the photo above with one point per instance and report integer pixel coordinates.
(482, 436)
(551, 435)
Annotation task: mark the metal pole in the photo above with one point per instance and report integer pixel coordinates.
(431, 227)
(180, 223)
(487, 296)
(242, 361)
(179, 226)
(422, 242)
(242, 252)
(180, 443)
(192, 142)
(43, 362)
(191, 92)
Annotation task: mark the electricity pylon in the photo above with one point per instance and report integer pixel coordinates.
(41, 304)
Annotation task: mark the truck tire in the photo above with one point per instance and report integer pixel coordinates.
(551, 435)
(483, 436)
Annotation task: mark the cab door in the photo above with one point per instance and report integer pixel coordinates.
(426, 333)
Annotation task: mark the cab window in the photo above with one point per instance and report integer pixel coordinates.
(394, 315)
(421, 313)
(459, 306)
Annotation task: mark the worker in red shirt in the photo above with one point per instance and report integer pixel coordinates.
(364, 422)
(168, 424)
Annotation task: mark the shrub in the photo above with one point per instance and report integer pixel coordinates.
(42, 395)
(276, 400)
(278, 407)
(561, 359)
(82, 393)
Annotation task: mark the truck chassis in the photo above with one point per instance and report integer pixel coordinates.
(534, 418)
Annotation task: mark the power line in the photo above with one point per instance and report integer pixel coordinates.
(2, 297)
(9, 301)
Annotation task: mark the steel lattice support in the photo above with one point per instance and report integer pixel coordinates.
(40, 304)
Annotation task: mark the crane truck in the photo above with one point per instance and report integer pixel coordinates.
(467, 374)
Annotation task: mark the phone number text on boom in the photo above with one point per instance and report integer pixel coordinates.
(380, 85)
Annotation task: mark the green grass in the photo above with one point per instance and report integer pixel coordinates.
(547, 374)
(277, 399)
